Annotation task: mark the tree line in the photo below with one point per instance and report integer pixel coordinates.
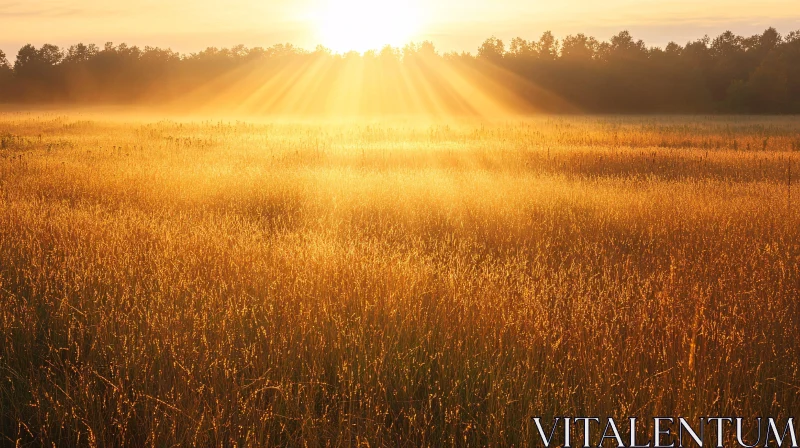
(726, 74)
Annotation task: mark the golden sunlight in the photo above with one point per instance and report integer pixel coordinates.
(361, 25)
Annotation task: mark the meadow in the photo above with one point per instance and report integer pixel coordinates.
(391, 282)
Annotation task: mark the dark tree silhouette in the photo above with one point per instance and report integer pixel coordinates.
(6, 77)
(729, 73)
(492, 50)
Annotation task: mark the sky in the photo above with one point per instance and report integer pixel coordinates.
(453, 25)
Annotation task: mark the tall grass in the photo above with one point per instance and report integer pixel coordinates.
(390, 283)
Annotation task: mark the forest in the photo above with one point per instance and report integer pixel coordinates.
(726, 74)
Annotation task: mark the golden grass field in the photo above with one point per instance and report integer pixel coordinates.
(394, 282)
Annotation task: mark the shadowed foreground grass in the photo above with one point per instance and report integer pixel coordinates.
(391, 283)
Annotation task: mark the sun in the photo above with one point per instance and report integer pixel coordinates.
(361, 25)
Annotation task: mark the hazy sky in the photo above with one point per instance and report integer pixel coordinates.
(190, 25)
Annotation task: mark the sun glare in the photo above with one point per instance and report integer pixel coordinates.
(361, 25)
